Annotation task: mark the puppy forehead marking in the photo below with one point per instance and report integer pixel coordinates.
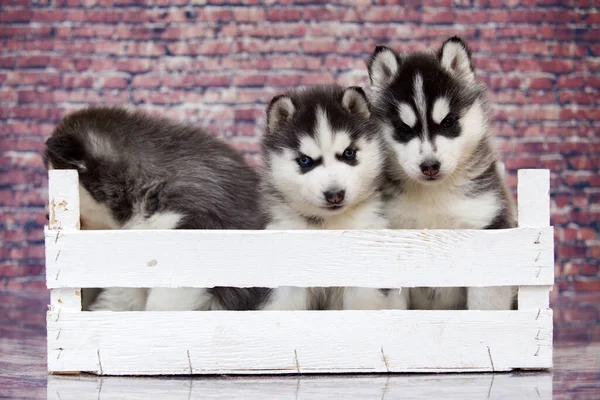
(323, 130)
(309, 147)
(420, 101)
(341, 140)
(441, 108)
(407, 114)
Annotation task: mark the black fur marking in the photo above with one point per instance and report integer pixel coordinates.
(437, 82)
(315, 164)
(241, 299)
(304, 120)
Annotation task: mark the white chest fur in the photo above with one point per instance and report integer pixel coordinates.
(367, 215)
(441, 208)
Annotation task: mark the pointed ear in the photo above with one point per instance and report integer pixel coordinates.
(455, 57)
(383, 66)
(355, 100)
(279, 111)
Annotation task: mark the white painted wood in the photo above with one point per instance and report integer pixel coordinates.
(534, 211)
(63, 205)
(533, 195)
(65, 299)
(464, 386)
(260, 342)
(534, 297)
(63, 213)
(401, 258)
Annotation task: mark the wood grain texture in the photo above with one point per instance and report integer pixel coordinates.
(464, 386)
(259, 342)
(388, 258)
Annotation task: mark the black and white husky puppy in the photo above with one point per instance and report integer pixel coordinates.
(444, 173)
(141, 172)
(324, 159)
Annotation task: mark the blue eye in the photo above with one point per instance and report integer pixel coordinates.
(304, 161)
(349, 154)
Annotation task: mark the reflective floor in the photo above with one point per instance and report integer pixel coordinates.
(576, 373)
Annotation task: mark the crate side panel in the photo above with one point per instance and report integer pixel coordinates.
(148, 343)
(393, 258)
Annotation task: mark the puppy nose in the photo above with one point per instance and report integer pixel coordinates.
(334, 196)
(430, 167)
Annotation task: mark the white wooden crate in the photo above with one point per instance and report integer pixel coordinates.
(260, 342)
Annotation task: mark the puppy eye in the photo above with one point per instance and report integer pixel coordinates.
(403, 128)
(304, 161)
(349, 154)
(448, 122)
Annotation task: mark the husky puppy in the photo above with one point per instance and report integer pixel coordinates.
(141, 172)
(443, 172)
(324, 159)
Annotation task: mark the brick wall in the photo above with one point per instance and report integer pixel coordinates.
(217, 62)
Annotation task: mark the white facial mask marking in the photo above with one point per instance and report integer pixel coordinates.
(407, 114)
(441, 108)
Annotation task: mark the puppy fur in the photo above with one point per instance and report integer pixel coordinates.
(443, 173)
(324, 159)
(142, 172)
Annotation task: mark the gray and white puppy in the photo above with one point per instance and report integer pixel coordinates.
(443, 172)
(324, 160)
(142, 172)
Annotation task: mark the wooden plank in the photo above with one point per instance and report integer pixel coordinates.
(481, 386)
(388, 258)
(261, 342)
(63, 210)
(534, 211)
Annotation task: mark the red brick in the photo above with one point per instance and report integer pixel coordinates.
(16, 15)
(319, 45)
(114, 82)
(284, 14)
(248, 14)
(249, 80)
(540, 83)
(146, 81)
(587, 285)
(569, 81)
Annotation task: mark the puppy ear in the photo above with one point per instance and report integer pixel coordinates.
(455, 57)
(355, 100)
(280, 110)
(64, 152)
(383, 66)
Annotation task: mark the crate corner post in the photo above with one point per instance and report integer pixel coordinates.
(533, 192)
(63, 209)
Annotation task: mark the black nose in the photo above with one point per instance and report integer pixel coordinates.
(430, 167)
(334, 196)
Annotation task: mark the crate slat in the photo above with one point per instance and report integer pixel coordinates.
(258, 342)
(402, 258)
